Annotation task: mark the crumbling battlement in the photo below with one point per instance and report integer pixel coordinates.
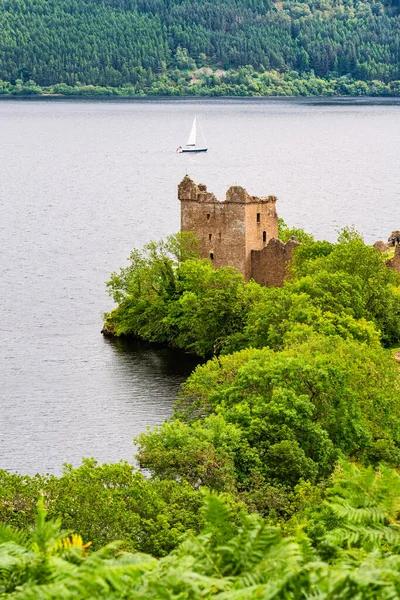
(189, 191)
(240, 231)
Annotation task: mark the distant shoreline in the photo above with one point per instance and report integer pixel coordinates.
(364, 99)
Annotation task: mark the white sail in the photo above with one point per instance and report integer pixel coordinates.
(192, 136)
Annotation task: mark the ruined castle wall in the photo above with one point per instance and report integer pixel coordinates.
(269, 266)
(261, 226)
(220, 229)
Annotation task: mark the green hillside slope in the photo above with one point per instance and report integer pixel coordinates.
(143, 42)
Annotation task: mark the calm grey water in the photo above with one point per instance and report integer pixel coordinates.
(83, 182)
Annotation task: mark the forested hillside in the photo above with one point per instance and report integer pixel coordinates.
(146, 43)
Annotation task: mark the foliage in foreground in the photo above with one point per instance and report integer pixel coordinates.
(356, 554)
(106, 503)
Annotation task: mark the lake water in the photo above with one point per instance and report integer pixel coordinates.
(83, 182)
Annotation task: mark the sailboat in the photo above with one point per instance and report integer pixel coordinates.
(191, 145)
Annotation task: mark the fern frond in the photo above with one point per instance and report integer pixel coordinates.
(249, 547)
(11, 534)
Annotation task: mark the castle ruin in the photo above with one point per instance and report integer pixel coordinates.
(240, 231)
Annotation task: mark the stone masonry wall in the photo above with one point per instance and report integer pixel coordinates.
(219, 226)
(229, 230)
(259, 231)
(269, 265)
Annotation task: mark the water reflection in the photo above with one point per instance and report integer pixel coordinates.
(153, 360)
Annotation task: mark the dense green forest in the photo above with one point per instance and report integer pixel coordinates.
(276, 476)
(239, 47)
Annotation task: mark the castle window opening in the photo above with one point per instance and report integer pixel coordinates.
(220, 236)
(212, 255)
(208, 216)
(258, 217)
(264, 236)
(210, 236)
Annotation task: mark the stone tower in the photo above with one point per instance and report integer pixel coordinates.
(228, 230)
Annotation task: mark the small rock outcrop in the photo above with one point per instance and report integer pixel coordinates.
(387, 248)
(394, 263)
(381, 246)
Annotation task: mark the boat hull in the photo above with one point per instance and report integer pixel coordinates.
(192, 150)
